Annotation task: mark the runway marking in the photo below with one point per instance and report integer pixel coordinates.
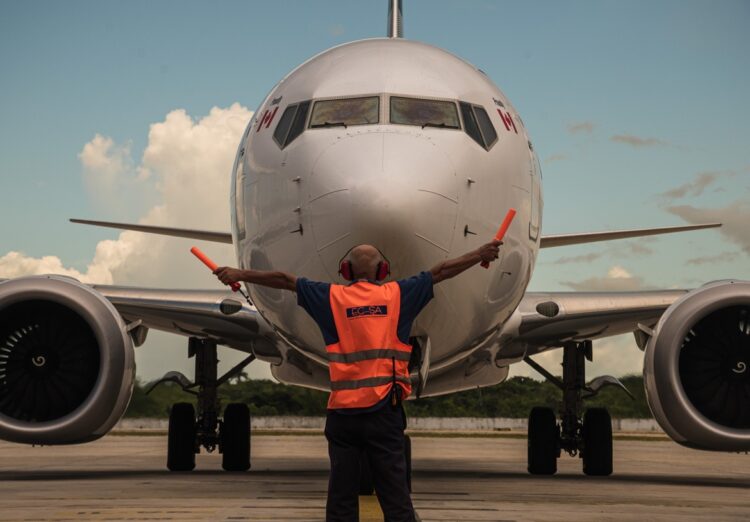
(369, 509)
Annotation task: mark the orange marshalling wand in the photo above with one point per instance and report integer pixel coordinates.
(210, 264)
(502, 230)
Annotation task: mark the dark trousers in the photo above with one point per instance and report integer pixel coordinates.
(378, 436)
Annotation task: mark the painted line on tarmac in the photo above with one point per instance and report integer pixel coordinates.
(369, 509)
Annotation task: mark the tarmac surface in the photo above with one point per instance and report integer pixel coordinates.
(455, 478)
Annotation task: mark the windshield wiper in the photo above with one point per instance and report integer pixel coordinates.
(440, 125)
(329, 124)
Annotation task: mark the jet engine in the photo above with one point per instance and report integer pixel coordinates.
(696, 369)
(66, 362)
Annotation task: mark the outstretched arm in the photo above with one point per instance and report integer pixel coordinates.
(452, 267)
(270, 279)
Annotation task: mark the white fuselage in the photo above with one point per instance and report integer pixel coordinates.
(420, 194)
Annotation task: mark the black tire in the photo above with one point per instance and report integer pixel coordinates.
(597, 442)
(366, 485)
(543, 442)
(234, 438)
(407, 454)
(181, 437)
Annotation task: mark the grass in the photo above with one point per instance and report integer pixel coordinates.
(656, 437)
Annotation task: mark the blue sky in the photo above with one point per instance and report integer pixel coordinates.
(639, 111)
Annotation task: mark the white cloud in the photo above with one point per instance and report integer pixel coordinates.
(618, 279)
(555, 157)
(638, 249)
(618, 272)
(618, 250)
(15, 264)
(187, 164)
(114, 184)
(585, 127)
(638, 141)
(101, 157)
(734, 218)
(618, 356)
(108, 258)
(190, 162)
(336, 30)
(697, 186)
(584, 258)
(723, 257)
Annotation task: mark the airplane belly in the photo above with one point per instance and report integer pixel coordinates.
(471, 308)
(364, 189)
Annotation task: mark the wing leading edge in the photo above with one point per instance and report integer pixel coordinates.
(213, 314)
(594, 237)
(546, 241)
(203, 235)
(547, 320)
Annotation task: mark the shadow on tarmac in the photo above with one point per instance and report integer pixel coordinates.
(656, 479)
(300, 475)
(105, 474)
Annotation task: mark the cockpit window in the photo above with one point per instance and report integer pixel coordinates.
(478, 125)
(298, 126)
(282, 129)
(425, 113)
(485, 125)
(291, 124)
(470, 123)
(345, 112)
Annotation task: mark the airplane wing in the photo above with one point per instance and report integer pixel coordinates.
(593, 237)
(549, 319)
(215, 314)
(546, 241)
(203, 235)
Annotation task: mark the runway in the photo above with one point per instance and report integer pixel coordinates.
(467, 479)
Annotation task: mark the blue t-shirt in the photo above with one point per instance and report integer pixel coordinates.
(314, 297)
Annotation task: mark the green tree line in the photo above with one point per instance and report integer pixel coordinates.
(512, 399)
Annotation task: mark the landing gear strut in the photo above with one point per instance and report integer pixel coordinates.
(588, 435)
(190, 429)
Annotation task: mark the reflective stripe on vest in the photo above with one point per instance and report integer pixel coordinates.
(368, 353)
(362, 383)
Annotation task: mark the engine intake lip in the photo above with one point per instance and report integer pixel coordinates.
(667, 396)
(116, 368)
(713, 366)
(49, 360)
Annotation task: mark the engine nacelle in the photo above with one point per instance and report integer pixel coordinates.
(67, 366)
(696, 370)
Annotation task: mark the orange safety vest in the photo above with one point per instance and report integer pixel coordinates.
(368, 356)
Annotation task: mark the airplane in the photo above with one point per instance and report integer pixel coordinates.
(408, 147)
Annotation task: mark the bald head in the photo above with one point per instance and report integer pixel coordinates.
(365, 259)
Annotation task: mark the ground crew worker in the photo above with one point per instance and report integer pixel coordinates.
(366, 327)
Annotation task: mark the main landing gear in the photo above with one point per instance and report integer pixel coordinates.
(189, 430)
(588, 435)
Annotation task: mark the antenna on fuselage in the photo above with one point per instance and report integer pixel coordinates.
(395, 26)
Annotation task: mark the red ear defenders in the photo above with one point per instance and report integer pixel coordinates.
(346, 271)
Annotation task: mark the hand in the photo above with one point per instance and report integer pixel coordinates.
(490, 251)
(228, 275)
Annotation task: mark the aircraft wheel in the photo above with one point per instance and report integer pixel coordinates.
(597, 442)
(234, 438)
(543, 442)
(366, 485)
(181, 437)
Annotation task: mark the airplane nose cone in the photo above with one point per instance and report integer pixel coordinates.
(395, 190)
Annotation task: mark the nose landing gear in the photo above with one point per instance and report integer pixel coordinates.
(588, 435)
(188, 431)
